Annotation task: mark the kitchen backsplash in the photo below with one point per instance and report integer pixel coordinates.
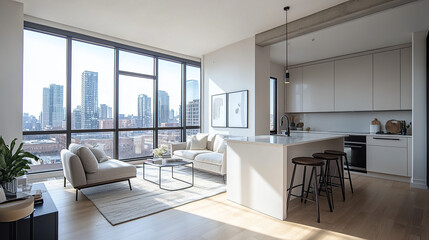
(349, 121)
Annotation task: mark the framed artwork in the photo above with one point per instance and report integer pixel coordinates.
(219, 110)
(238, 109)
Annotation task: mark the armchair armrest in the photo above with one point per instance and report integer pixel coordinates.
(73, 168)
(177, 146)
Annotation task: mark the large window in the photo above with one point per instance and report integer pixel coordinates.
(273, 105)
(80, 89)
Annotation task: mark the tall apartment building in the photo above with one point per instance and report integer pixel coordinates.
(53, 108)
(89, 98)
(144, 110)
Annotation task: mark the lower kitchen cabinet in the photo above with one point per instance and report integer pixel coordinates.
(388, 155)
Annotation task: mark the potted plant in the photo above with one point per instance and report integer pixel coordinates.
(13, 165)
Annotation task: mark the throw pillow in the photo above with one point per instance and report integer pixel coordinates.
(210, 141)
(222, 147)
(188, 143)
(218, 141)
(89, 161)
(99, 154)
(198, 143)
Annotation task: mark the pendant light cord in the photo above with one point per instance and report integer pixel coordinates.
(287, 65)
(286, 77)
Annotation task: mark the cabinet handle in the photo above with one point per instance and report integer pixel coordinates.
(395, 139)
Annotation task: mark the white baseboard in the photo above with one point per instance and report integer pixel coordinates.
(419, 183)
(389, 177)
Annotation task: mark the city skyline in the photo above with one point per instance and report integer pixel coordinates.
(88, 114)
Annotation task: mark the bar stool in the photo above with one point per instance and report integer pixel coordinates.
(328, 176)
(341, 155)
(314, 163)
(11, 212)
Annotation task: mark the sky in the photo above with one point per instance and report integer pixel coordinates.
(45, 63)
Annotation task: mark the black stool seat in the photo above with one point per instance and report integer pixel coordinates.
(307, 161)
(335, 152)
(325, 156)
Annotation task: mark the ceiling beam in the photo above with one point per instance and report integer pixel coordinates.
(338, 14)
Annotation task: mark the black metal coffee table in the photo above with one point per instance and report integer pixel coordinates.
(172, 165)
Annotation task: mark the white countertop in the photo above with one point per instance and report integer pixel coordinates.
(354, 133)
(293, 139)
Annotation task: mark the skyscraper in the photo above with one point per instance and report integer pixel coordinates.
(192, 90)
(89, 98)
(53, 109)
(163, 107)
(105, 111)
(193, 113)
(77, 117)
(144, 111)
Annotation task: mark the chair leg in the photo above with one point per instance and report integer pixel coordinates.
(129, 183)
(77, 193)
(316, 193)
(308, 188)
(303, 183)
(290, 188)
(64, 181)
(326, 188)
(341, 180)
(348, 170)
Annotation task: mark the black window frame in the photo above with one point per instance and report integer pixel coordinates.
(73, 36)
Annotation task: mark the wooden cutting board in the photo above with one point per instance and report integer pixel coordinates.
(393, 126)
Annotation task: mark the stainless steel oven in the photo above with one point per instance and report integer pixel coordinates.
(355, 147)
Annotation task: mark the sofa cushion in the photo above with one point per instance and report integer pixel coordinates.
(210, 141)
(89, 161)
(99, 154)
(111, 170)
(189, 154)
(212, 158)
(199, 142)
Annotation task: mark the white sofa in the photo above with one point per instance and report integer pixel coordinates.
(211, 159)
(86, 167)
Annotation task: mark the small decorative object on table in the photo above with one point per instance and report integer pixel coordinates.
(157, 152)
(300, 126)
(13, 165)
(292, 123)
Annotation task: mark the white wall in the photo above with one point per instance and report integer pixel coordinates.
(229, 69)
(348, 121)
(239, 66)
(419, 109)
(277, 71)
(11, 65)
(262, 90)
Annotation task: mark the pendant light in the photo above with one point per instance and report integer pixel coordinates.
(286, 77)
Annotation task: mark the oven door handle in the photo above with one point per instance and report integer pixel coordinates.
(353, 146)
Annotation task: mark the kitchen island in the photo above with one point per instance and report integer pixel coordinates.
(259, 168)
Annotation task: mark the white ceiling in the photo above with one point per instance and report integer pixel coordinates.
(387, 28)
(190, 27)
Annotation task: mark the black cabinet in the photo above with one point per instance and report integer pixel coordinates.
(45, 220)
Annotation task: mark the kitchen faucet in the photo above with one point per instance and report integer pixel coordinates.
(281, 123)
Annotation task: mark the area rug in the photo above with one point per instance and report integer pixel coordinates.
(118, 204)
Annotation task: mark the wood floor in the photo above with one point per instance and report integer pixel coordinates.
(379, 209)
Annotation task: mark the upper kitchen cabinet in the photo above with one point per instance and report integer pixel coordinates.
(293, 91)
(318, 87)
(406, 92)
(353, 84)
(387, 80)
